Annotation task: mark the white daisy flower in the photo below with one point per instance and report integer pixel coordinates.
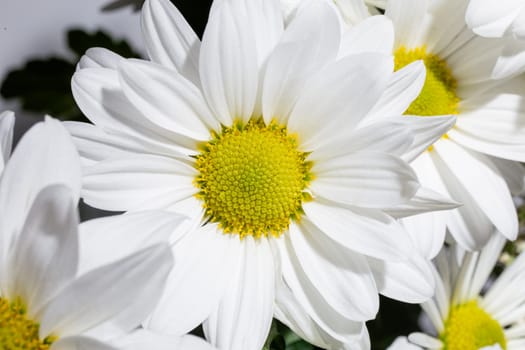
(469, 313)
(267, 139)
(44, 302)
(470, 163)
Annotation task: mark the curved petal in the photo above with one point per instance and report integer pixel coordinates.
(105, 240)
(126, 183)
(390, 136)
(45, 155)
(169, 100)
(7, 123)
(80, 343)
(511, 62)
(427, 231)
(289, 311)
(407, 16)
(99, 57)
(309, 43)
(368, 232)
(483, 182)
(404, 86)
(169, 38)
(426, 131)
(492, 20)
(228, 64)
(513, 173)
(408, 281)
(338, 97)
(98, 94)
(307, 298)
(364, 179)
(374, 34)
(143, 339)
(45, 256)
(109, 293)
(243, 318)
(198, 281)
(332, 269)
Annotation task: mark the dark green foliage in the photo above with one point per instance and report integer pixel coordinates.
(43, 85)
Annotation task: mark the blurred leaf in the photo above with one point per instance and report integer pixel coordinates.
(79, 41)
(118, 4)
(43, 86)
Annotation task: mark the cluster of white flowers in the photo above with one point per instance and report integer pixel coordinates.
(301, 159)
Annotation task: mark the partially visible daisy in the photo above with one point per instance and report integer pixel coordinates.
(475, 163)
(44, 302)
(266, 138)
(472, 162)
(469, 312)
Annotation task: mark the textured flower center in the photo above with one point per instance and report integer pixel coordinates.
(469, 327)
(438, 96)
(16, 331)
(252, 178)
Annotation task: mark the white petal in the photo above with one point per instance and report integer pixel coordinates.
(425, 341)
(143, 339)
(46, 254)
(365, 179)
(332, 269)
(169, 100)
(99, 57)
(228, 64)
(374, 34)
(289, 311)
(482, 180)
(408, 27)
(126, 183)
(198, 281)
(98, 94)
(511, 61)
(491, 20)
(105, 240)
(95, 145)
(385, 136)
(340, 95)
(108, 293)
(7, 123)
(80, 343)
(427, 231)
(307, 298)
(309, 43)
(244, 315)
(425, 200)
(404, 86)
(408, 281)
(365, 231)
(169, 38)
(426, 131)
(401, 343)
(45, 155)
(512, 172)
(353, 11)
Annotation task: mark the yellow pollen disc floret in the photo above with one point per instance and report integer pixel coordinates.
(16, 331)
(438, 96)
(469, 327)
(252, 178)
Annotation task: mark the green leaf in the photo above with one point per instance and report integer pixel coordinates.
(43, 86)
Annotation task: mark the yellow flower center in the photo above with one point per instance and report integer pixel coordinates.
(252, 178)
(469, 327)
(438, 96)
(16, 331)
